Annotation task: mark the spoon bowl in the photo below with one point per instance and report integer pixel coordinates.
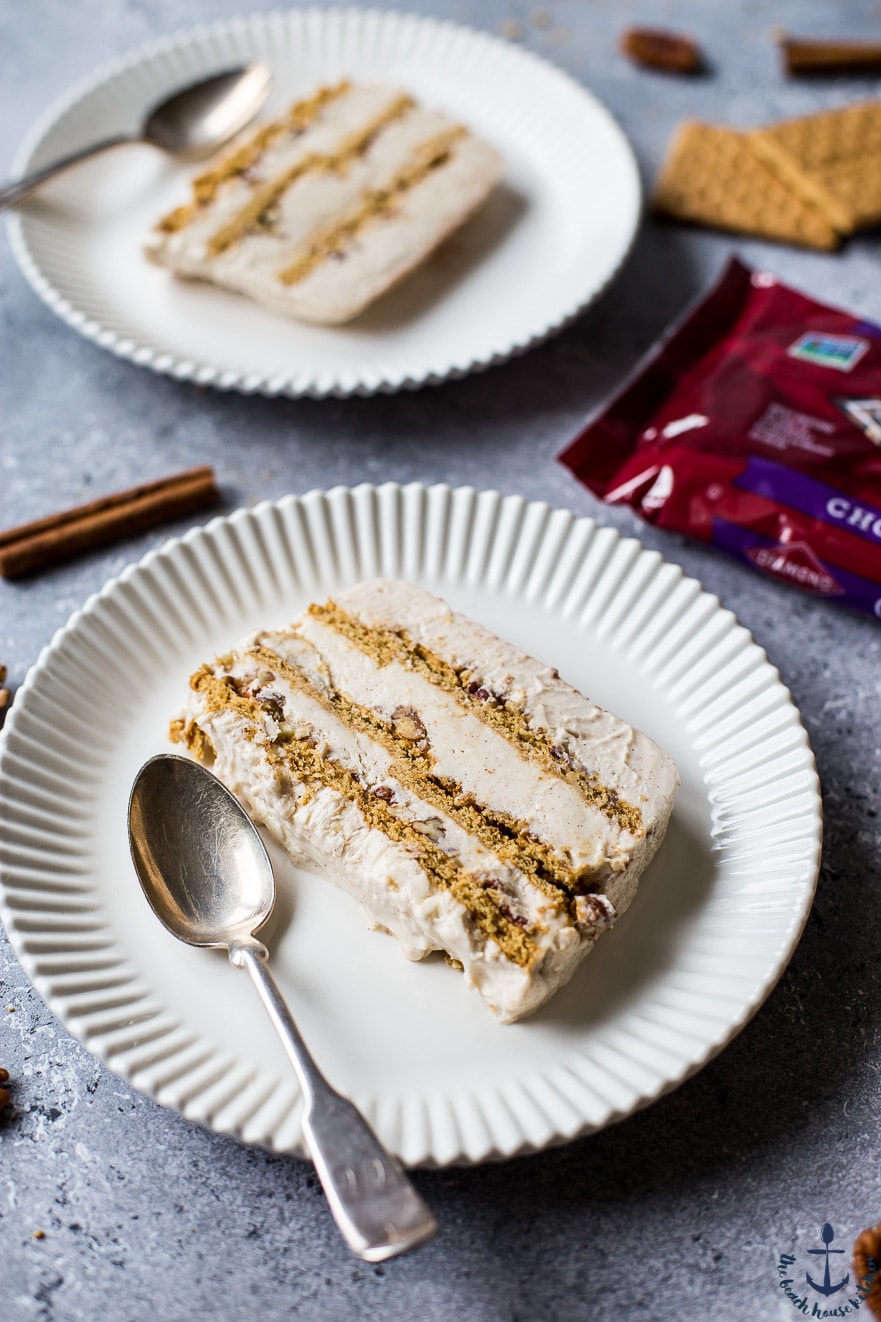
(190, 124)
(197, 120)
(208, 879)
(203, 867)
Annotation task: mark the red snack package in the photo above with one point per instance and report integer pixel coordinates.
(755, 424)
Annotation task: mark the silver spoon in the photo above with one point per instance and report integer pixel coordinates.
(193, 122)
(208, 879)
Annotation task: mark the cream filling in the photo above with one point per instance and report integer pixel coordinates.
(321, 826)
(466, 750)
(624, 759)
(310, 205)
(373, 765)
(394, 239)
(323, 137)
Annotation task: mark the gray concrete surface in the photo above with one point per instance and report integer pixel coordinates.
(681, 1211)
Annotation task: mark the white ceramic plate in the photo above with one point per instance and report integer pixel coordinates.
(544, 246)
(717, 916)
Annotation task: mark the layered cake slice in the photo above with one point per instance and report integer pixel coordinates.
(318, 213)
(467, 796)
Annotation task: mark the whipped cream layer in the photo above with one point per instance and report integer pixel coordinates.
(470, 799)
(318, 213)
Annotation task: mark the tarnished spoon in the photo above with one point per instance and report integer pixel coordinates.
(208, 879)
(191, 123)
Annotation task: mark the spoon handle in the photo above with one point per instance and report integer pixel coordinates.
(372, 1200)
(22, 188)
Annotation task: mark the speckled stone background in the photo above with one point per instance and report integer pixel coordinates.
(681, 1211)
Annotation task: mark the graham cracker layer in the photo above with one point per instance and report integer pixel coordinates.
(503, 835)
(258, 209)
(247, 154)
(299, 759)
(378, 202)
(385, 646)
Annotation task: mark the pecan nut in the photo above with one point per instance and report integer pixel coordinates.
(654, 48)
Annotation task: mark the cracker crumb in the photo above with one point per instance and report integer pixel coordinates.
(39, 1234)
(511, 28)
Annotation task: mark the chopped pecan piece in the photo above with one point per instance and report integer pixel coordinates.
(408, 725)
(432, 827)
(595, 913)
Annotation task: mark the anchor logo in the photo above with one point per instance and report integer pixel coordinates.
(827, 1234)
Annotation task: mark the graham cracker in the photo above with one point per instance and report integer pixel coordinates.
(713, 176)
(832, 160)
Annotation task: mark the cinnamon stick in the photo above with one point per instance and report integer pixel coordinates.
(808, 55)
(46, 541)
